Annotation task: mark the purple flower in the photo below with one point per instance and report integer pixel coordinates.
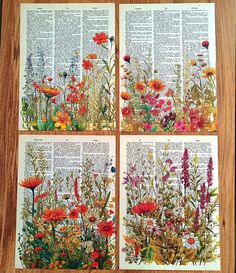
(155, 230)
(210, 172)
(185, 165)
(169, 161)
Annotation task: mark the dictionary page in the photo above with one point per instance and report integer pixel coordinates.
(67, 67)
(168, 58)
(169, 203)
(66, 202)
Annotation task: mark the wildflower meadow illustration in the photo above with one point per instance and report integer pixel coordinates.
(148, 105)
(67, 222)
(171, 216)
(68, 102)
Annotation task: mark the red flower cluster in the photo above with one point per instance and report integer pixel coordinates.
(76, 190)
(100, 38)
(144, 207)
(87, 65)
(197, 122)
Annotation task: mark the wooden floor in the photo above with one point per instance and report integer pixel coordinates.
(9, 72)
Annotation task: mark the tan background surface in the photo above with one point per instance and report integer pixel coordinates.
(9, 82)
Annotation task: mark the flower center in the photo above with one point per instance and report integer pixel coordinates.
(191, 241)
(106, 228)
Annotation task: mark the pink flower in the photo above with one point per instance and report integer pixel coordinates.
(210, 172)
(181, 126)
(185, 172)
(155, 112)
(147, 126)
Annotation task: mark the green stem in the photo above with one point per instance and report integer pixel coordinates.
(47, 109)
(33, 205)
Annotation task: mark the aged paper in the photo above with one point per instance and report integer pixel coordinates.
(169, 203)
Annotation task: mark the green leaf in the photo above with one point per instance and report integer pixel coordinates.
(41, 125)
(154, 129)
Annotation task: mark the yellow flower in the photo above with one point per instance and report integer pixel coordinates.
(196, 159)
(62, 119)
(209, 72)
(193, 62)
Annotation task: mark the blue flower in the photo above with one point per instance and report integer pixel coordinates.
(113, 169)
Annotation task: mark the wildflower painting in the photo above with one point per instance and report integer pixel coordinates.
(69, 103)
(149, 105)
(170, 219)
(65, 220)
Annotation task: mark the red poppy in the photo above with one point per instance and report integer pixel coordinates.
(74, 214)
(82, 209)
(205, 44)
(87, 65)
(95, 264)
(144, 207)
(100, 38)
(50, 79)
(39, 235)
(95, 255)
(31, 182)
(127, 111)
(106, 228)
(57, 214)
(127, 58)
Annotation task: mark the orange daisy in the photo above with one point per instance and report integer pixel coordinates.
(156, 85)
(31, 182)
(140, 87)
(126, 96)
(209, 72)
(49, 91)
(91, 56)
(57, 214)
(62, 120)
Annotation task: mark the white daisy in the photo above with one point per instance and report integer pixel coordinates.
(190, 241)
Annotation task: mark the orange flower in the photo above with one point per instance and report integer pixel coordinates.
(91, 56)
(106, 228)
(156, 85)
(209, 72)
(130, 240)
(100, 38)
(57, 214)
(87, 65)
(140, 87)
(31, 182)
(62, 120)
(49, 91)
(193, 62)
(126, 96)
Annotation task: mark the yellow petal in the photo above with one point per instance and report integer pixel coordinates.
(63, 126)
(58, 124)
